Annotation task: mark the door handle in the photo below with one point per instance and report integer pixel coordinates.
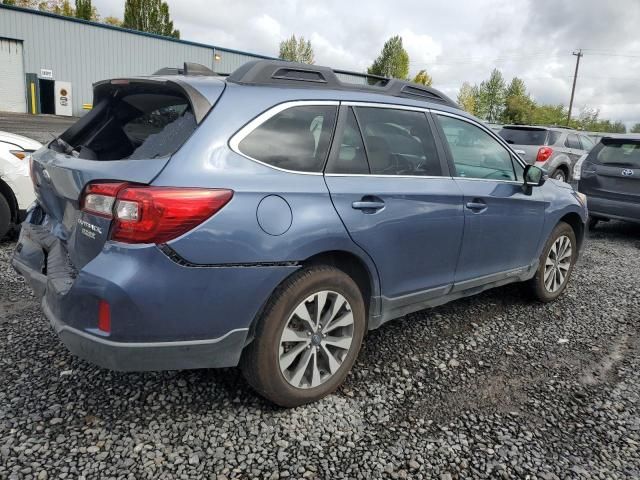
(477, 205)
(368, 205)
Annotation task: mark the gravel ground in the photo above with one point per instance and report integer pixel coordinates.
(491, 386)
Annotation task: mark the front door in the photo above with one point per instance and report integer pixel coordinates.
(391, 188)
(503, 220)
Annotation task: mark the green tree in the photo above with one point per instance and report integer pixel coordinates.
(468, 98)
(59, 7)
(635, 128)
(297, 50)
(150, 16)
(518, 106)
(8, 2)
(393, 61)
(115, 21)
(423, 78)
(549, 115)
(84, 9)
(491, 97)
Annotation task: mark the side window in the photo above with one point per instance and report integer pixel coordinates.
(351, 156)
(476, 154)
(553, 137)
(587, 143)
(572, 141)
(398, 142)
(297, 138)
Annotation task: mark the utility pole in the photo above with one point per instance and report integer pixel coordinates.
(578, 55)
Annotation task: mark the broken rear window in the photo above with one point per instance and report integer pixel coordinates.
(131, 122)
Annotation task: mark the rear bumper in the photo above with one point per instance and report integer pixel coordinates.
(614, 209)
(150, 356)
(164, 316)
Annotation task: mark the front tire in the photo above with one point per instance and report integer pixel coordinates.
(556, 263)
(307, 338)
(5, 217)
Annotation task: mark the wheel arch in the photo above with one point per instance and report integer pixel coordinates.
(575, 222)
(365, 276)
(7, 193)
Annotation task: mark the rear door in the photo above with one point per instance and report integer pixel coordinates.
(129, 136)
(503, 221)
(612, 170)
(394, 194)
(573, 147)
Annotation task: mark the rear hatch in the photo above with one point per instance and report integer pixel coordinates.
(134, 128)
(612, 170)
(526, 139)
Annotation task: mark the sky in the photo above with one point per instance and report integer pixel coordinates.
(454, 40)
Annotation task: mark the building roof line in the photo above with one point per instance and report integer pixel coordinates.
(133, 32)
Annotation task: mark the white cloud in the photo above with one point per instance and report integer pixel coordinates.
(456, 41)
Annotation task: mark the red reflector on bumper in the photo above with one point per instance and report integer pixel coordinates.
(104, 317)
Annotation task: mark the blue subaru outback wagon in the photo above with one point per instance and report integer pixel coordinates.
(271, 218)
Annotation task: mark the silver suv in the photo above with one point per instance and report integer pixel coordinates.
(555, 149)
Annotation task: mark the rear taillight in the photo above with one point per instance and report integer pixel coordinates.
(144, 214)
(544, 153)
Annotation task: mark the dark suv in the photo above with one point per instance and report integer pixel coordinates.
(555, 149)
(610, 177)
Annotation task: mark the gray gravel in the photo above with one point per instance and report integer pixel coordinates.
(493, 386)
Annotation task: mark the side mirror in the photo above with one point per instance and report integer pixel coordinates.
(534, 176)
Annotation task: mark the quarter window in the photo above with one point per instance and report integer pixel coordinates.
(398, 142)
(475, 153)
(351, 158)
(572, 142)
(297, 138)
(587, 143)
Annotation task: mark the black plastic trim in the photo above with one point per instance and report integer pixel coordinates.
(270, 72)
(176, 258)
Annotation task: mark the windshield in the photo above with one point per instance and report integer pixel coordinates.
(524, 136)
(620, 153)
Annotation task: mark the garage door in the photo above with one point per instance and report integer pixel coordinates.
(12, 83)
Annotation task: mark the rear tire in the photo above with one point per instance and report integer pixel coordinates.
(5, 217)
(556, 264)
(559, 174)
(593, 222)
(288, 361)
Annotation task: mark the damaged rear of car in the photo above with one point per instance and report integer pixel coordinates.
(89, 247)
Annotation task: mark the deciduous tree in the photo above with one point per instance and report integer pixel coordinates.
(491, 97)
(150, 16)
(468, 98)
(423, 78)
(296, 50)
(393, 60)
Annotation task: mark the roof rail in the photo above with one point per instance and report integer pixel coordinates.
(276, 72)
(187, 69)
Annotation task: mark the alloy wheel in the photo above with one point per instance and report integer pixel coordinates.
(557, 264)
(559, 175)
(316, 339)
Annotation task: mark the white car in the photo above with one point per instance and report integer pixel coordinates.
(16, 189)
